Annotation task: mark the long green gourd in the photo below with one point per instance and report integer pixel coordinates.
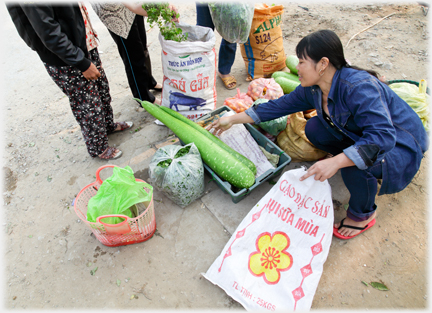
(213, 138)
(217, 158)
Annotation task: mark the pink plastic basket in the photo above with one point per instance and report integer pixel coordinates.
(131, 230)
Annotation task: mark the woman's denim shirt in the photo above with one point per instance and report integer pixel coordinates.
(383, 127)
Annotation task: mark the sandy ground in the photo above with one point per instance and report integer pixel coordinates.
(49, 254)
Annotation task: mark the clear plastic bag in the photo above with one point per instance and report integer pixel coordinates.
(178, 171)
(239, 103)
(264, 88)
(232, 20)
(273, 127)
(416, 97)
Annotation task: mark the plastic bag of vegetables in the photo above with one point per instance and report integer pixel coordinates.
(264, 88)
(273, 127)
(416, 97)
(232, 20)
(178, 171)
(239, 103)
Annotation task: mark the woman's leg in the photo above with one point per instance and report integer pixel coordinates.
(133, 53)
(361, 184)
(227, 50)
(227, 53)
(203, 15)
(363, 187)
(93, 116)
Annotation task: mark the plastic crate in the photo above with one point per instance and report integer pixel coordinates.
(238, 194)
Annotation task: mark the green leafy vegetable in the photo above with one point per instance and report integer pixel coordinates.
(217, 158)
(232, 20)
(161, 15)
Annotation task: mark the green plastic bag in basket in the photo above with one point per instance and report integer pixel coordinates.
(116, 195)
(416, 97)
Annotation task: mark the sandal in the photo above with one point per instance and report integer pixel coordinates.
(362, 229)
(229, 80)
(123, 126)
(110, 153)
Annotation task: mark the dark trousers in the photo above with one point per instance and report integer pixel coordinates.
(227, 50)
(136, 59)
(362, 184)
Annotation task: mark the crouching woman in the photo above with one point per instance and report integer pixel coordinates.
(370, 131)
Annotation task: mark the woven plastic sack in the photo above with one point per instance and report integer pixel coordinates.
(240, 102)
(416, 97)
(275, 258)
(273, 127)
(263, 53)
(264, 88)
(232, 20)
(189, 72)
(117, 195)
(178, 171)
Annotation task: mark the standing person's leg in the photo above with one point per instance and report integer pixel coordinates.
(227, 50)
(151, 84)
(227, 53)
(86, 107)
(203, 15)
(131, 51)
(361, 184)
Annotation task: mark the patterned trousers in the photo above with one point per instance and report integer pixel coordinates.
(90, 102)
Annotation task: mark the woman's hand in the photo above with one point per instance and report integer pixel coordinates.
(220, 125)
(326, 168)
(92, 73)
(175, 18)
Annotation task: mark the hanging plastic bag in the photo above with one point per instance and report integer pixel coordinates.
(273, 127)
(117, 195)
(178, 171)
(416, 97)
(232, 20)
(239, 103)
(264, 88)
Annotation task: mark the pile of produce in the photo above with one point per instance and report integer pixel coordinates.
(161, 15)
(416, 97)
(222, 159)
(264, 88)
(288, 80)
(240, 102)
(178, 172)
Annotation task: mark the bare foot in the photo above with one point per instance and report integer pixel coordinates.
(157, 101)
(158, 86)
(348, 232)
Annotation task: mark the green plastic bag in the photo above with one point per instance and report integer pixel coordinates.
(117, 195)
(273, 127)
(416, 97)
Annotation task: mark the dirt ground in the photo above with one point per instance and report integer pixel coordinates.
(48, 253)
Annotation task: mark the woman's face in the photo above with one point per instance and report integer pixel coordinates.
(307, 72)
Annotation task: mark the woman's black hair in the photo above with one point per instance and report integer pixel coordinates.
(325, 43)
